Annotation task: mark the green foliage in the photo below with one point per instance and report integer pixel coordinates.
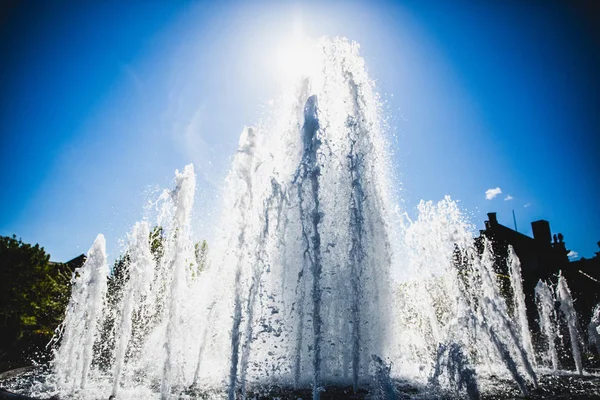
(120, 271)
(115, 286)
(113, 302)
(34, 293)
(157, 237)
(117, 279)
(201, 252)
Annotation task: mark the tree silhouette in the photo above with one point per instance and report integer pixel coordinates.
(34, 293)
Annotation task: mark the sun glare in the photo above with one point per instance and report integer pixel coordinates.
(294, 60)
(294, 57)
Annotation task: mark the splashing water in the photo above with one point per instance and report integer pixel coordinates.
(459, 305)
(137, 290)
(74, 357)
(563, 295)
(544, 300)
(303, 216)
(314, 279)
(460, 375)
(520, 309)
(594, 328)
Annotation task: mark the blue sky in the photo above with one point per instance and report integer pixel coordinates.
(101, 101)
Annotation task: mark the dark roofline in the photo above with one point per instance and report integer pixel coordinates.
(515, 232)
(70, 261)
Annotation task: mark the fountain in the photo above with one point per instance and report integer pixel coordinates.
(545, 300)
(563, 296)
(137, 289)
(74, 356)
(516, 282)
(594, 328)
(298, 292)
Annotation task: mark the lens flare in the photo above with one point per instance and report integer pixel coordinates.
(295, 60)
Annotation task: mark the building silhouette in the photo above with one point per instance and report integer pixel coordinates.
(543, 257)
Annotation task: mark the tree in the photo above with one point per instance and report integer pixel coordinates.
(157, 238)
(116, 284)
(103, 348)
(34, 294)
(201, 252)
(117, 280)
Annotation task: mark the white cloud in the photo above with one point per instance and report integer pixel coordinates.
(491, 193)
(508, 197)
(573, 255)
(527, 205)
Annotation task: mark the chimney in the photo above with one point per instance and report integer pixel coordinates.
(541, 231)
(492, 219)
